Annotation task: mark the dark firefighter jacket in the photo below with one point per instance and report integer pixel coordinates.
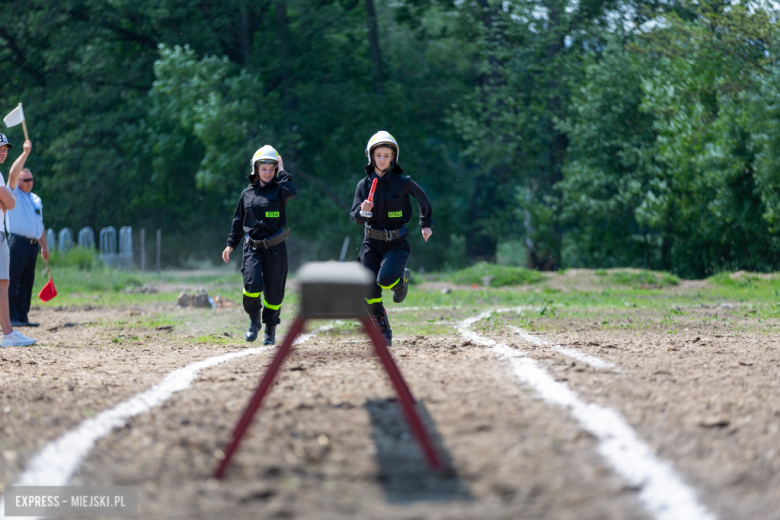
(261, 210)
(392, 207)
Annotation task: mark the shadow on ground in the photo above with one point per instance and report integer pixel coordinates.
(403, 470)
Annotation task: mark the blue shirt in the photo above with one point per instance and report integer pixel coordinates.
(26, 219)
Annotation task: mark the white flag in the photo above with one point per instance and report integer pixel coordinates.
(15, 117)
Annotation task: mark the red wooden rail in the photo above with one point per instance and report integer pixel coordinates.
(405, 397)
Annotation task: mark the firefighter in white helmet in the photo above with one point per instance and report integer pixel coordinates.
(385, 247)
(259, 220)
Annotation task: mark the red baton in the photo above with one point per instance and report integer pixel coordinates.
(368, 214)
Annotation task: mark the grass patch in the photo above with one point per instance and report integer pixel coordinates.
(101, 279)
(641, 278)
(220, 339)
(82, 279)
(496, 275)
(221, 277)
(80, 270)
(745, 280)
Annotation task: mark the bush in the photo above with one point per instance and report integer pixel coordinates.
(78, 257)
(741, 279)
(643, 277)
(501, 275)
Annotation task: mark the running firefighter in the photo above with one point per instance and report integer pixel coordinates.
(385, 247)
(259, 220)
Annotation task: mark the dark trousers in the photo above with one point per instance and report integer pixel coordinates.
(265, 271)
(387, 260)
(23, 257)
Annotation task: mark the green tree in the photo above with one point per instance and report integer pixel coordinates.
(532, 59)
(675, 174)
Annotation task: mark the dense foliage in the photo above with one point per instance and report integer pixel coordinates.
(593, 133)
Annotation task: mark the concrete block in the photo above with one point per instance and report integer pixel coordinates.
(331, 290)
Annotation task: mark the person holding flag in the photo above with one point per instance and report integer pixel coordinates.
(260, 219)
(25, 231)
(382, 207)
(11, 337)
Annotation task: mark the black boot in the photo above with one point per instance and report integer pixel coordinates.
(254, 326)
(400, 290)
(384, 327)
(270, 334)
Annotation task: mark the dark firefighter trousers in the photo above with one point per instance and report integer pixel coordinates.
(265, 271)
(387, 260)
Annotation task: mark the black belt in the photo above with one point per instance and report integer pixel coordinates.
(269, 242)
(387, 235)
(20, 237)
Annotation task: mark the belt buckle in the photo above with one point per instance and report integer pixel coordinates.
(251, 242)
(388, 235)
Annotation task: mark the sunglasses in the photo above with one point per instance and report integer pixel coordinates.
(26, 180)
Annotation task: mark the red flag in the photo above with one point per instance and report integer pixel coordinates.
(48, 292)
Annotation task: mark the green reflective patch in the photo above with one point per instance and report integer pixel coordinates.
(252, 294)
(395, 214)
(272, 214)
(373, 300)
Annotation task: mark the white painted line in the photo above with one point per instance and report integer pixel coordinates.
(566, 351)
(529, 337)
(56, 462)
(662, 490)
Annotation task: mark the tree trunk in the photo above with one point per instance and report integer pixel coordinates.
(559, 142)
(376, 55)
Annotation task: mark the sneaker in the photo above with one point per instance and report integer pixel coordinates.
(254, 327)
(384, 327)
(17, 339)
(400, 290)
(270, 334)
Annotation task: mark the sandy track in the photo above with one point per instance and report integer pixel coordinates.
(77, 372)
(330, 442)
(704, 399)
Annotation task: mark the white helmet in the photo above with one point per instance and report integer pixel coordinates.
(267, 154)
(382, 138)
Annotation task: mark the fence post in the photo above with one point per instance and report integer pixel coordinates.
(344, 249)
(159, 245)
(143, 250)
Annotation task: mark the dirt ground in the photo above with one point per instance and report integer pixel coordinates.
(330, 441)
